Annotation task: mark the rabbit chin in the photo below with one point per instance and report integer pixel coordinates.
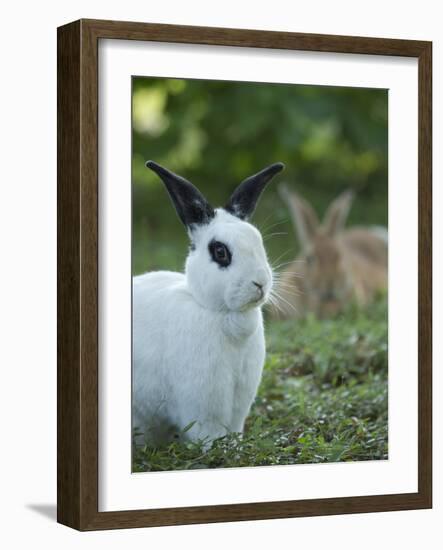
(245, 299)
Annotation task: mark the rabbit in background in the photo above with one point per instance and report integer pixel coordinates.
(198, 338)
(336, 266)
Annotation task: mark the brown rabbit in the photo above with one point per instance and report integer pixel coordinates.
(336, 266)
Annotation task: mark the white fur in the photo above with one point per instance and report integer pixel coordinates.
(198, 338)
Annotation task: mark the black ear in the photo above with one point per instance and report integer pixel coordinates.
(192, 207)
(244, 199)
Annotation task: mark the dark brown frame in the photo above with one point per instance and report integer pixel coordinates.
(77, 456)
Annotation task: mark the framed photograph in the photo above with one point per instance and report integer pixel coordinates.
(244, 275)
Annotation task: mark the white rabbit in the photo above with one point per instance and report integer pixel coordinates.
(198, 338)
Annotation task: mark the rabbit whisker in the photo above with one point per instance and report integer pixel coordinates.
(293, 274)
(259, 226)
(273, 225)
(280, 298)
(290, 292)
(282, 256)
(267, 237)
(289, 289)
(273, 303)
(280, 281)
(282, 264)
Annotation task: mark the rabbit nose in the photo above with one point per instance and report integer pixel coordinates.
(259, 286)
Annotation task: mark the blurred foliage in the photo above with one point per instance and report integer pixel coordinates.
(323, 397)
(216, 133)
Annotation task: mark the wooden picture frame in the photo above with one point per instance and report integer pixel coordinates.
(77, 455)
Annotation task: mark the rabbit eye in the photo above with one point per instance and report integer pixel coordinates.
(220, 253)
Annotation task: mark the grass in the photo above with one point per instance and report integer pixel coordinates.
(323, 398)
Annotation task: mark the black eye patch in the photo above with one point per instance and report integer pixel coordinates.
(220, 253)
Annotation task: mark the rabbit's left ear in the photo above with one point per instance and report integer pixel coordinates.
(244, 199)
(337, 213)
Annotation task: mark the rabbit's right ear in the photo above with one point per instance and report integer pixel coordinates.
(192, 207)
(303, 216)
(337, 213)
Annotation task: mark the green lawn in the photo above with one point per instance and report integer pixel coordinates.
(323, 398)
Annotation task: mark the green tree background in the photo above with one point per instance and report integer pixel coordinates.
(216, 133)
